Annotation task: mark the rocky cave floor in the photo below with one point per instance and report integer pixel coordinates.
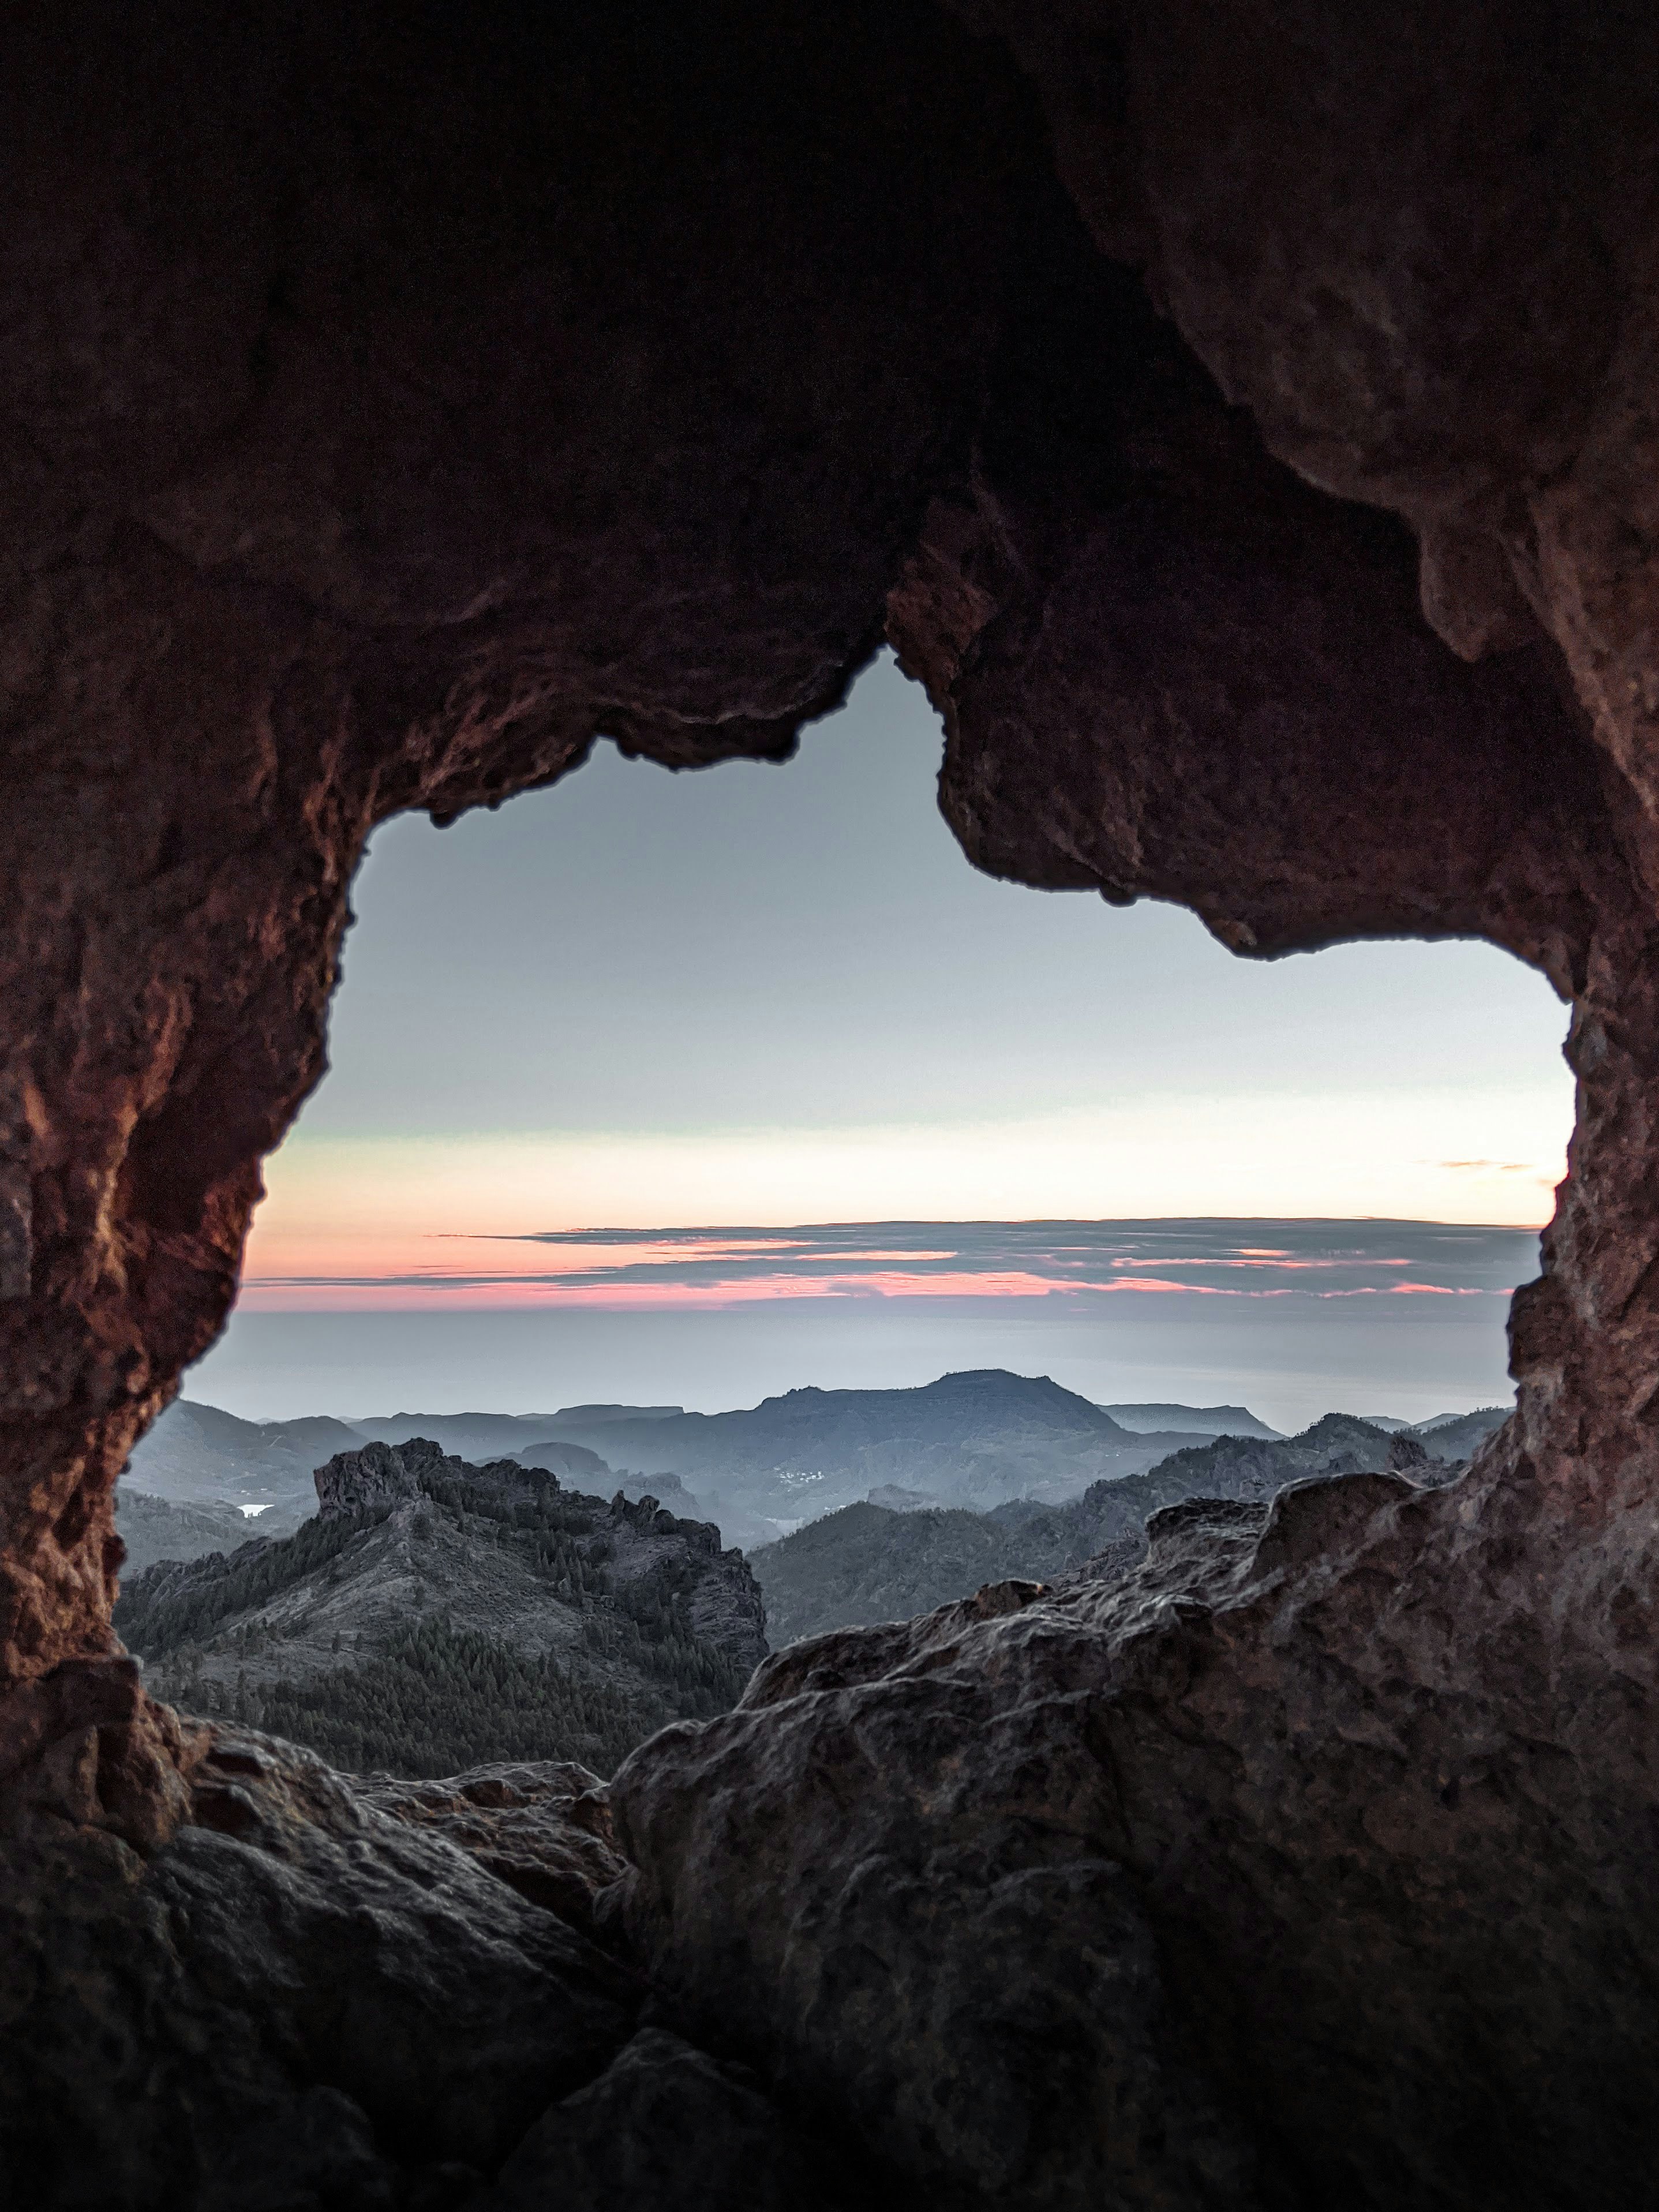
(871, 1938)
(333, 1991)
(325, 1990)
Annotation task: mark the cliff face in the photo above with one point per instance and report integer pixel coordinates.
(388, 402)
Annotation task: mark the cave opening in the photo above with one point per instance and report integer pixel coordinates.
(770, 997)
(1240, 424)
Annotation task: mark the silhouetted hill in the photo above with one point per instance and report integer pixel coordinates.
(482, 1436)
(868, 1563)
(434, 1614)
(604, 1416)
(972, 1438)
(1199, 1420)
(200, 1455)
(1445, 1436)
(1460, 1436)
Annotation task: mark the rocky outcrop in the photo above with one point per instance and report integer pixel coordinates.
(1066, 1888)
(295, 2001)
(434, 1612)
(371, 1479)
(1239, 418)
(542, 1828)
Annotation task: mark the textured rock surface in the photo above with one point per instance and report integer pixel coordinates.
(374, 396)
(1174, 1893)
(294, 1988)
(543, 1827)
(969, 1962)
(389, 400)
(668, 2128)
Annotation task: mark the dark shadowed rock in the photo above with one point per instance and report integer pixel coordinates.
(668, 2129)
(293, 1969)
(543, 1828)
(823, 1873)
(967, 1975)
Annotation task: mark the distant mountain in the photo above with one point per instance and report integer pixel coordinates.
(484, 1435)
(604, 1416)
(868, 1563)
(1460, 1436)
(567, 1460)
(152, 1530)
(1198, 1420)
(1446, 1436)
(971, 1438)
(434, 1614)
(195, 1453)
(199, 1456)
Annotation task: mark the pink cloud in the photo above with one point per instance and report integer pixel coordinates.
(272, 1294)
(1278, 1262)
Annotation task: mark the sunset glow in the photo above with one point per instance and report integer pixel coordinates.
(402, 1223)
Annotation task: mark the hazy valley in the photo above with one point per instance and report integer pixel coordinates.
(423, 1601)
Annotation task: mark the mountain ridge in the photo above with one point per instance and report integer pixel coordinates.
(433, 1607)
(870, 1563)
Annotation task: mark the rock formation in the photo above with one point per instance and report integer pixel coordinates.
(543, 1828)
(1239, 418)
(433, 1613)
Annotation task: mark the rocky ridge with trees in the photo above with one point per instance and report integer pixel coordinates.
(434, 1614)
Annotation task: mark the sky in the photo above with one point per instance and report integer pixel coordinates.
(772, 996)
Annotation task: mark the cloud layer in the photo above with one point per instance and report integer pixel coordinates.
(1085, 1261)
